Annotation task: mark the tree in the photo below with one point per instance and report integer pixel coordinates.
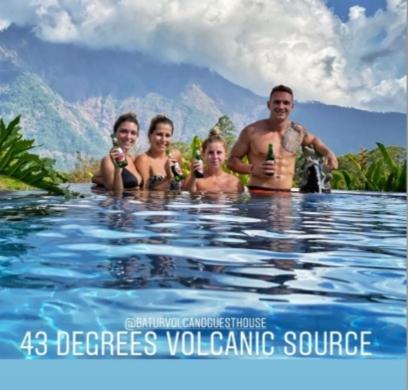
(228, 130)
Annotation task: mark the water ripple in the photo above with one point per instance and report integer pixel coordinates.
(333, 261)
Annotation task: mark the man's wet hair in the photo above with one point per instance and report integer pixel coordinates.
(281, 88)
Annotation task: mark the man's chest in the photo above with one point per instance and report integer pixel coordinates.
(285, 144)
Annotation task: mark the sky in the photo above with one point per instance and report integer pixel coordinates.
(341, 7)
(344, 52)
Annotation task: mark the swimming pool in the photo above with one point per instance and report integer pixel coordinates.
(299, 262)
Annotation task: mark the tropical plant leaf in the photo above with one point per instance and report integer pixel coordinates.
(6, 131)
(389, 183)
(377, 176)
(347, 180)
(370, 172)
(388, 160)
(337, 181)
(401, 180)
(17, 163)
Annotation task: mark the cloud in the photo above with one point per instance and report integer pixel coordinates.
(254, 43)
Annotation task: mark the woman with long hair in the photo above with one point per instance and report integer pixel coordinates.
(160, 167)
(117, 170)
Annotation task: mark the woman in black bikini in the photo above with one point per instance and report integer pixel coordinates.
(155, 165)
(126, 130)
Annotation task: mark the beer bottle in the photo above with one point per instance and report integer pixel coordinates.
(270, 156)
(196, 155)
(119, 161)
(175, 169)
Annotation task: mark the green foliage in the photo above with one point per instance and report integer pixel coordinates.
(16, 163)
(228, 130)
(85, 167)
(381, 169)
(183, 147)
(300, 161)
(9, 184)
(187, 151)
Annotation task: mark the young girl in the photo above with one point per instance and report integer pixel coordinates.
(155, 165)
(110, 175)
(215, 179)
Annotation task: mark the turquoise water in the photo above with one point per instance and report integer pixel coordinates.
(315, 263)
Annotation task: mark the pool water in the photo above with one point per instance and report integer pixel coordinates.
(302, 262)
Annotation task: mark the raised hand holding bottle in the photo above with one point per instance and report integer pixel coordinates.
(175, 168)
(119, 158)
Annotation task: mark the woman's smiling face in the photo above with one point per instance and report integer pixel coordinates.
(161, 136)
(127, 134)
(215, 154)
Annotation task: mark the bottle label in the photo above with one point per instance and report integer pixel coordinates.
(177, 168)
(121, 156)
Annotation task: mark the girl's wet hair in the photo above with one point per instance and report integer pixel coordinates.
(157, 120)
(127, 117)
(214, 136)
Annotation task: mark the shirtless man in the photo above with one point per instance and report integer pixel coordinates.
(285, 136)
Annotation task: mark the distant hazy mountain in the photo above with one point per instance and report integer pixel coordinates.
(69, 97)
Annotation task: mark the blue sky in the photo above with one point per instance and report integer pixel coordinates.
(341, 7)
(343, 52)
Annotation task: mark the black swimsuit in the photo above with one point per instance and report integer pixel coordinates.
(129, 179)
(155, 179)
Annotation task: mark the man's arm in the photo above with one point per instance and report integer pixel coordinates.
(238, 151)
(320, 147)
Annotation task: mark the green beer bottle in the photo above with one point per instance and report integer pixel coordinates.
(196, 155)
(175, 169)
(270, 156)
(120, 161)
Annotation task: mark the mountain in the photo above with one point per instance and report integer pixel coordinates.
(69, 97)
(349, 129)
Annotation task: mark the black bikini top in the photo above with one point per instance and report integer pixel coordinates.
(155, 179)
(129, 179)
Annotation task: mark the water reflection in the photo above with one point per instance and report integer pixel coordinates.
(20, 217)
(90, 259)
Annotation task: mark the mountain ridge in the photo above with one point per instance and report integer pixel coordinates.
(69, 97)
